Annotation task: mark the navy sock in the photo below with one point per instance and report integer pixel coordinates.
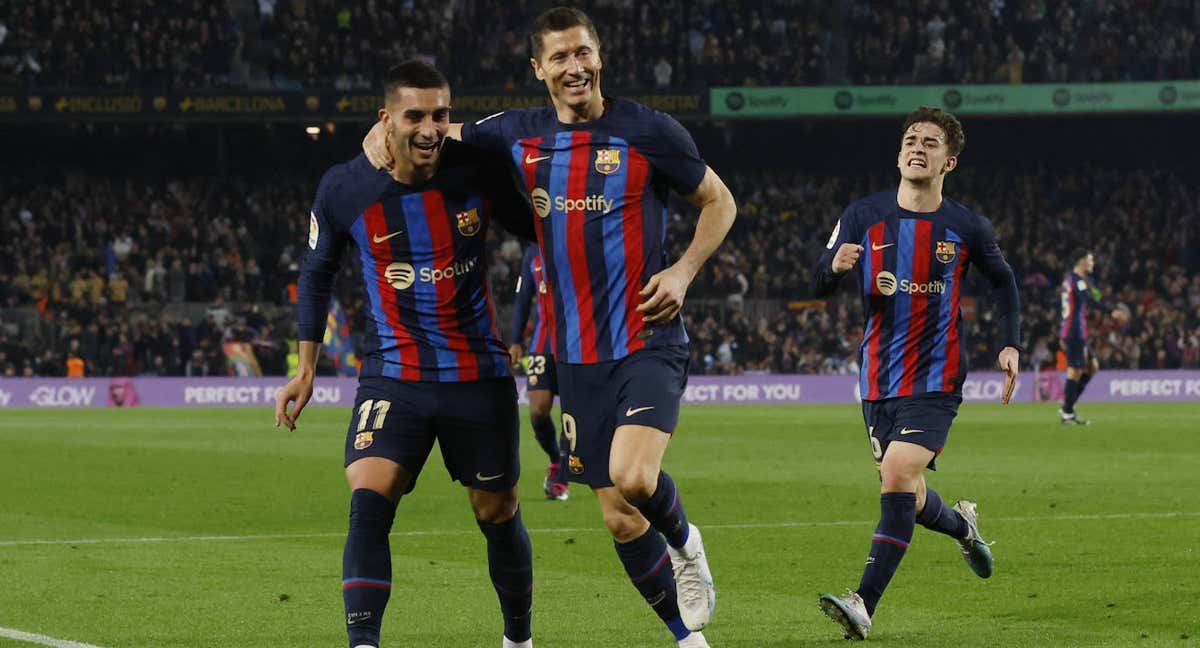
(649, 567)
(367, 565)
(564, 451)
(1070, 396)
(510, 563)
(936, 516)
(897, 517)
(1083, 383)
(544, 432)
(665, 511)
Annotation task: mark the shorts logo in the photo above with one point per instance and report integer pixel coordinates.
(885, 282)
(533, 379)
(946, 251)
(363, 440)
(541, 202)
(400, 275)
(575, 464)
(608, 160)
(481, 477)
(908, 431)
(468, 222)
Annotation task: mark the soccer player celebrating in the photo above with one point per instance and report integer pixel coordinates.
(598, 170)
(1077, 290)
(912, 248)
(533, 297)
(432, 343)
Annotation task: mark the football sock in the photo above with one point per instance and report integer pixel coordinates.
(1070, 396)
(1083, 383)
(510, 563)
(665, 511)
(649, 567)
(367, 565)
(564, 451)
(936, 516)
(897, 517)
(544, 432)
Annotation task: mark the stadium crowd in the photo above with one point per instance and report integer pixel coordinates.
(136, 277)
(289, 44)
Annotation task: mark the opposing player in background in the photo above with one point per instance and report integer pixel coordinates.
(434, 365)
(1077, 291)
(912, 249)
(533, 298)
(598, 171)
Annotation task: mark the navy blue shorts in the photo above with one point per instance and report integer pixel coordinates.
(643, 388)
(1079, 354)
(541, 372)
(923, 419)
(475, 424)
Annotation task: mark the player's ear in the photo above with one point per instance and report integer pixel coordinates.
(951, 164)
(385, 117)
(537, 69)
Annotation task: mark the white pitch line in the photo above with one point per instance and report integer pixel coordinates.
(42, 640)
(461, 532)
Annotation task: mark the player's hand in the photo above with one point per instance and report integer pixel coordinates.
(375, 145)
(663, 295)
(514, 354)
(846, 257)
(299, 390)
(1009, 362)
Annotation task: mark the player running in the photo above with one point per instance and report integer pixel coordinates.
(1077, 291)
(434, 367)
(533, 298)
(598, 172)
(912, 249)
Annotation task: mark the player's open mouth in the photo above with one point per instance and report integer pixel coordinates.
(578, 84)
(917, 162)
(426, 147)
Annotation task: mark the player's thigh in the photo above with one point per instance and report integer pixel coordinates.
(477, 427)
(588, 397)
(903, 467)
(1077, 354)
(390, 425)
(624, 522)
(635, 459)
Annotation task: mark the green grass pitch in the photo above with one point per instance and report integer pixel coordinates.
(209, 527)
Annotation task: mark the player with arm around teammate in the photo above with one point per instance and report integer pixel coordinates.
(598, 171)
(911, 249)
(435, 367)
(533, 299)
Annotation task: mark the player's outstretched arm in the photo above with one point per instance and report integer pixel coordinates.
(299, 389)
(375, 144)
(664, 293)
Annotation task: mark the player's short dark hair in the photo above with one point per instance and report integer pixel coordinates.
(558, 19)
(956, 139)
(1079, 253)
(413, 73)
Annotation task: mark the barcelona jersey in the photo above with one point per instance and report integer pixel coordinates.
(599, 194)
(430, 316)
(911, 275)
(1075, 293)
(533, 300)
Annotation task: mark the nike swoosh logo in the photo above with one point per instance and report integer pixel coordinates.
(908, 431)
(533, 160)
(631, 411)
(480, 476)
(380, 239)
(876, 247)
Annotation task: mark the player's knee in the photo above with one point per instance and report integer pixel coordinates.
(636, 483)
(494, 508)
(539, 415)
(624, 525)
(899, 479)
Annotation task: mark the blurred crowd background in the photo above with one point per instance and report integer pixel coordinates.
(138, 249)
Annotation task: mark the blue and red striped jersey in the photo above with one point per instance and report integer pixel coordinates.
(599, 192)
(430, 316)
(533, 301)
(1076, 293)
(911, 275)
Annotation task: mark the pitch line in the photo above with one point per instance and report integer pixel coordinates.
(42, 640)
(597, 528)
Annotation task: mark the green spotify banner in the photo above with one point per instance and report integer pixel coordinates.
(1038, 98)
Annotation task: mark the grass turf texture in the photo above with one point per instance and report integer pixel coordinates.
(1095, 531)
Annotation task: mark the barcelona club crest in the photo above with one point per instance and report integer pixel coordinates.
(468, 222)
(575, 464)
(608, 160)
(363, 440)
(946, 251)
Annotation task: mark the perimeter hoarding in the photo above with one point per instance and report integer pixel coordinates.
(1107, 386)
